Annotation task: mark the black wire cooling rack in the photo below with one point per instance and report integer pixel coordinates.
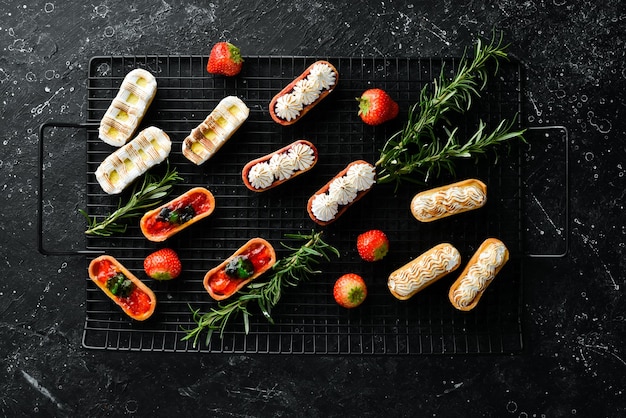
(307, 320)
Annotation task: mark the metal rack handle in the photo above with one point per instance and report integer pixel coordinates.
(40, 241)
(566, 191)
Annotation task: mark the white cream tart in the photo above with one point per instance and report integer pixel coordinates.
(279, 166)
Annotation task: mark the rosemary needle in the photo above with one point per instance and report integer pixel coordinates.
(145, 196)
(287, 272)
(417, 149)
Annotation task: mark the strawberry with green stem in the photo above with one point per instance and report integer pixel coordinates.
(225, 59)
(350, 290)
(376, 107)
(372, 245)
(163, 264)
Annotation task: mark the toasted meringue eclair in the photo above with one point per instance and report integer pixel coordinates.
(208, 137)
(128, 107)
(118, 170)
(271, 170)
(122, 287)
(303, 93)
(423, 271)
(448, 200)
(247, 263)
(336, 196)
(480, 271)
(170, 218)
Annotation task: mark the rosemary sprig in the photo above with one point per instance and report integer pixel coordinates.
(417, 147)
(145, 196)
(287, 272)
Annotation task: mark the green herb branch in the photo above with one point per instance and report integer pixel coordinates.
(417, 149)
(145, 196)
(287, 272)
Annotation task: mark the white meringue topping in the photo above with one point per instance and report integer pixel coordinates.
(260, 176)
(302, 156)
(342, 190)
(288, 107)
(324, 207)
(362, 176)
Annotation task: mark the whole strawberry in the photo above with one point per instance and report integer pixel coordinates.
(162, 264)
(376, 107)
(350, 290)
(372, 245)
(225, 59)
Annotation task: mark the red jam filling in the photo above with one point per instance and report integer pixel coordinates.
(137, 303)
(157, 225)
(223, 284)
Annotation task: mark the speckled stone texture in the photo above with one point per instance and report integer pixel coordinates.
(573, 362)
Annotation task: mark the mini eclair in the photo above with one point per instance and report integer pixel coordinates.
(207, 138)
(247, 263)
(161, 223)
(128, 107)
(149, 148)
(480, 271)
(449, 200)
(279, 166)
(336, 196)
(303, 93)
(122, 287)
(423, 271)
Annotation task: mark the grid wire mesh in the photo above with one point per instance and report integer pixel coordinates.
(307, 320)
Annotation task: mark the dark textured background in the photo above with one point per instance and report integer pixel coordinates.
(574, 361)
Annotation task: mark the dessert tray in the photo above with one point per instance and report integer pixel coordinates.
(307, 320)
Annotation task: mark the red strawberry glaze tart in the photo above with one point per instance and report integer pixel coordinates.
(122, 287)
(247, 263)
(170, 218)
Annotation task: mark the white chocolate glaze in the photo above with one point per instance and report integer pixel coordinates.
(149, 148)
(128, 107)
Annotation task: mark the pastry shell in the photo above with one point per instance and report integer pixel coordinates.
(289, 87)
(247, 246)
(149, 148)
(128, 107)
(207, 138)
(143, 223)
(268, 157)
(424, 270)
(324, 189)
(487, 274)
(93, 275)
(442, 205)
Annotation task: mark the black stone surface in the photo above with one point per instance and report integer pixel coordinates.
(574, 361)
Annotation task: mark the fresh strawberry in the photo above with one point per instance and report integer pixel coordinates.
(162, 264)
(350, 290)
(225, 59)
(376, 107)
(372, 245)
